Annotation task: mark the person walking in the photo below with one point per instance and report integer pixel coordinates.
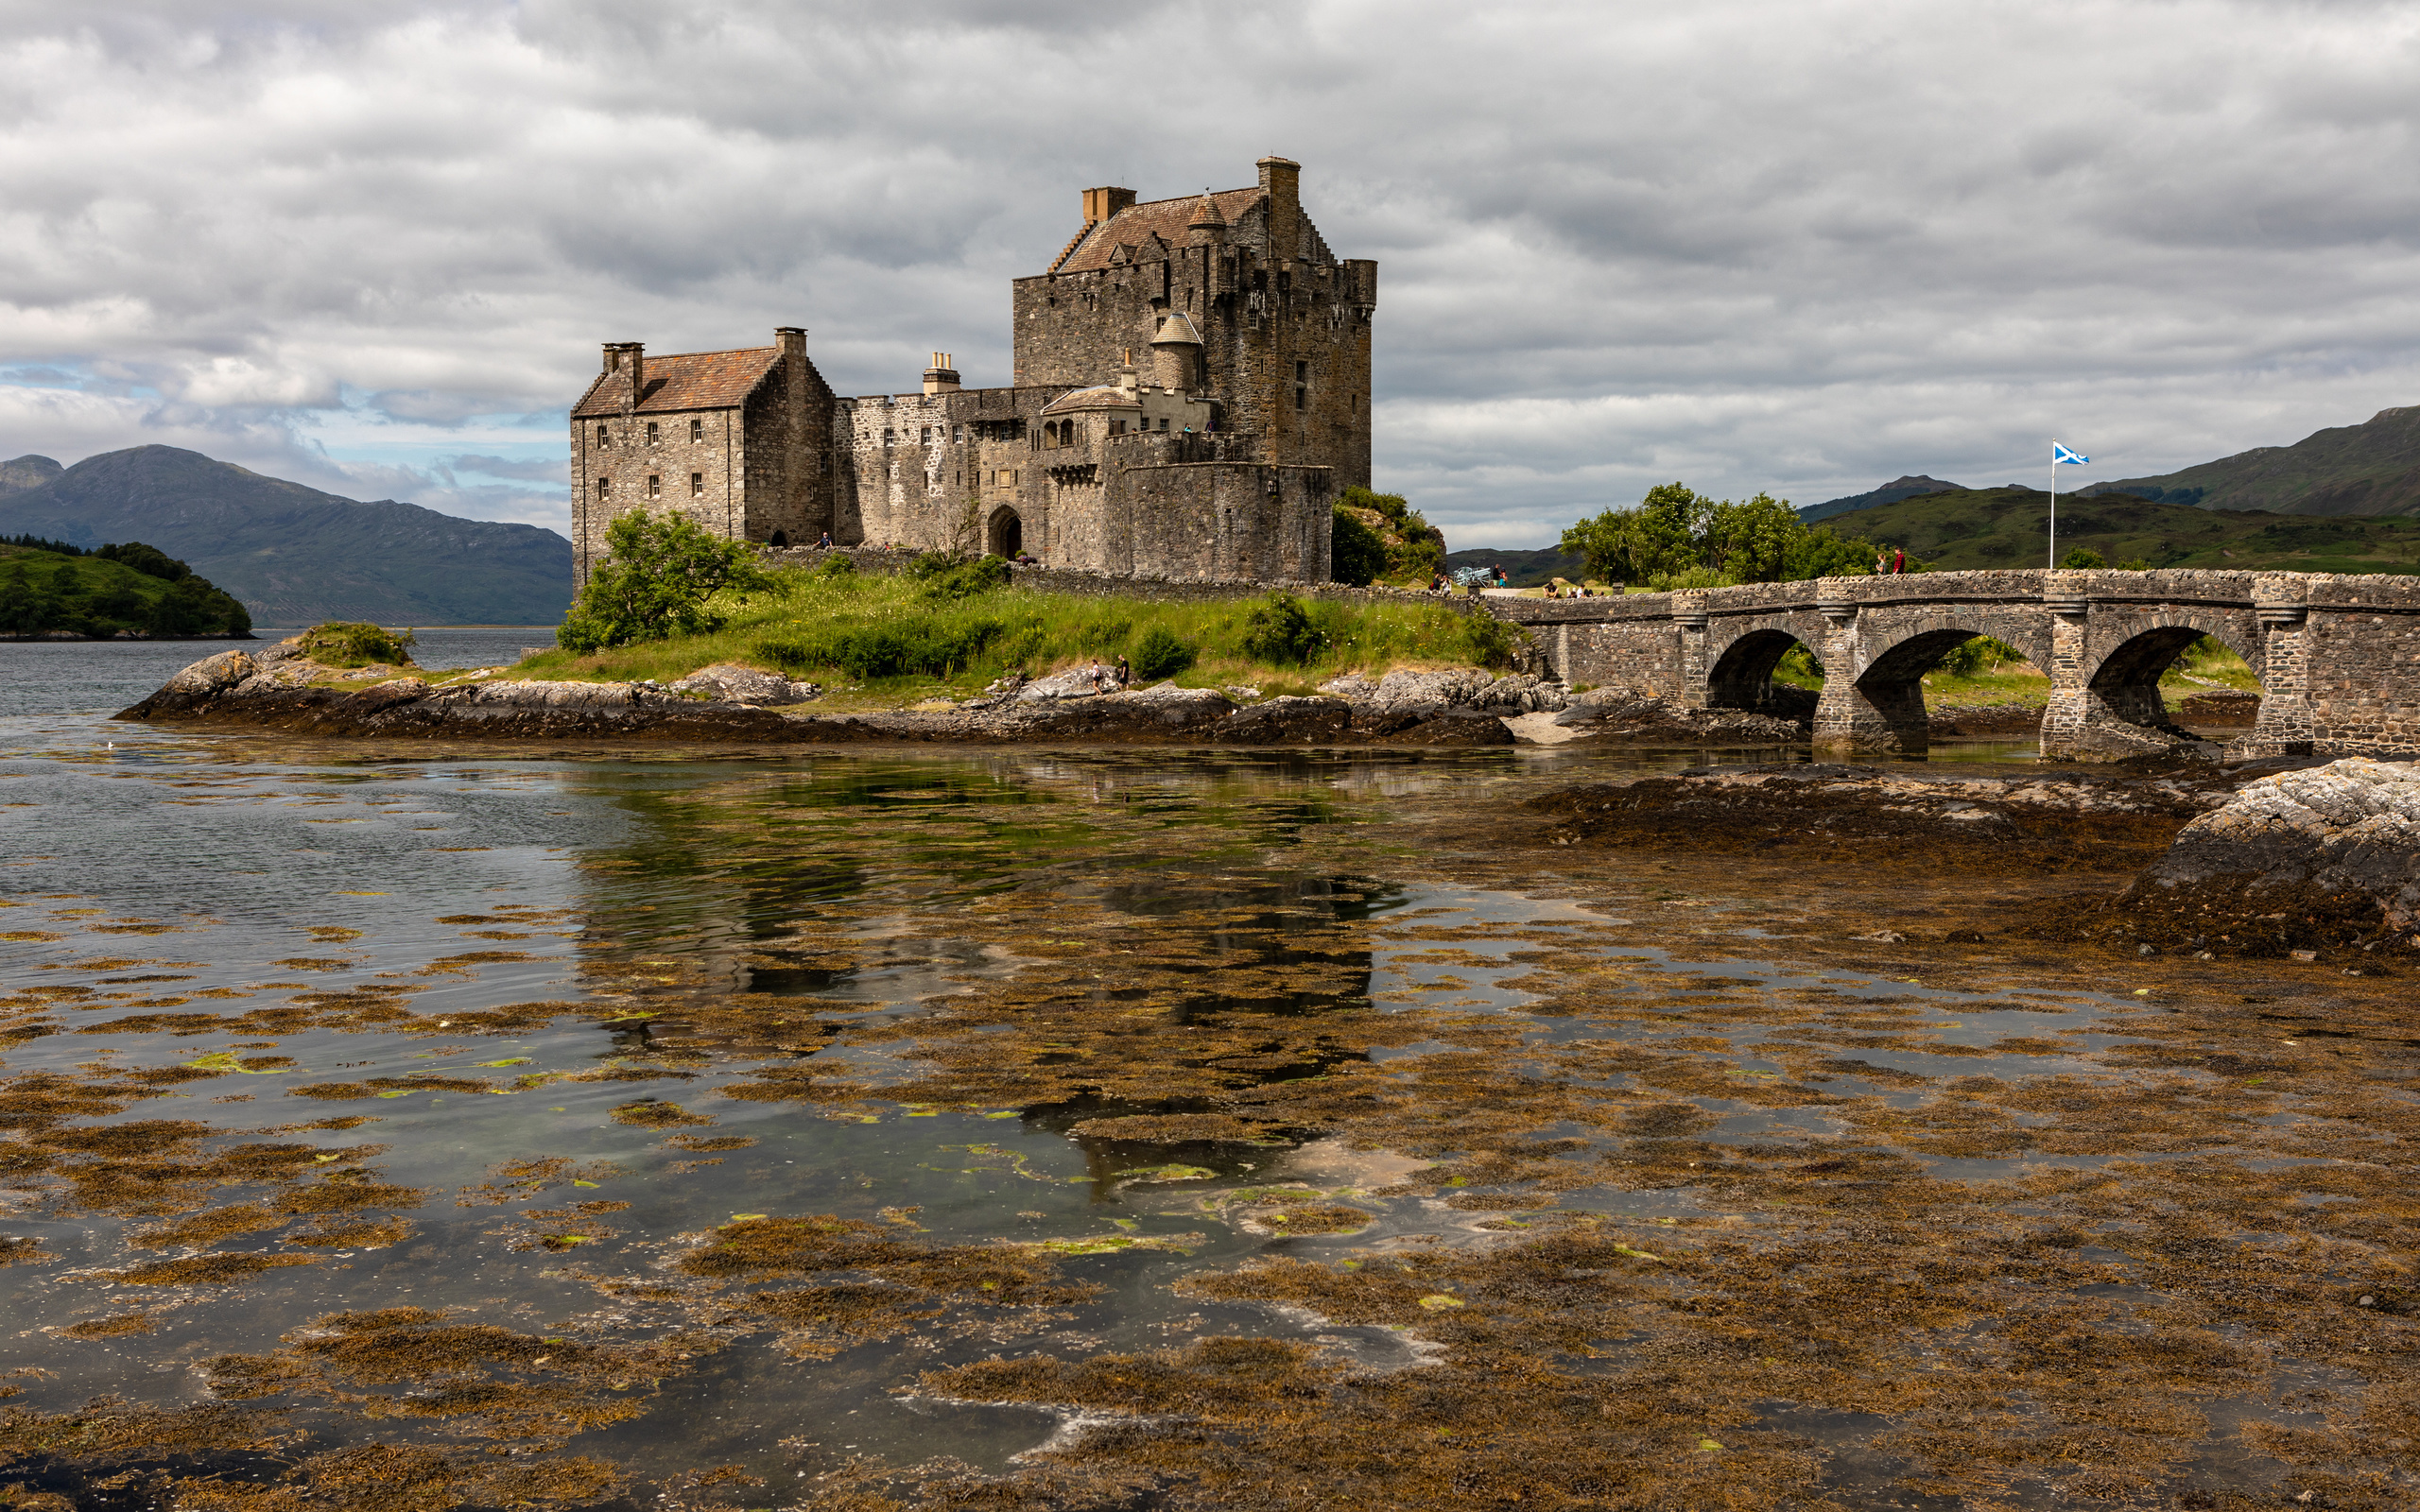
(1899, 562)
(1125, 675)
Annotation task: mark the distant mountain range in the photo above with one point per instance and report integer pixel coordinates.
(1967, 528)
(294, 556)
(2369, 468)
(1892, 493)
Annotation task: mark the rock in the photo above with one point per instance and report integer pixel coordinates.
(1076, 682)
(1286, 721)
(2352, 825)
(212, 673)
(1613, 717)
(733, 683)
(1457, 726)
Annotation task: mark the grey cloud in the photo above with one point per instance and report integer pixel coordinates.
(1755, 243)
(554, 471)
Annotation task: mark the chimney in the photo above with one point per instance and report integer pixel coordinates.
(941, 378)
(1282, 178)
(1126, 370)
(628, 357)
(791, 339)
(1100, 204)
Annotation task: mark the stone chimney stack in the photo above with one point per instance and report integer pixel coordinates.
(1100, 204)
(1283, 180)
(628, 359)
(941, 378)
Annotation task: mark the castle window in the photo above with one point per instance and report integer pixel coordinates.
(655, 485)
(604, 437)
(888, 437)
(1117, 427)
(1301, 373)
(604, 487)
(697, 430)
(927, 437)
(651, 433)
(697, 485)
(1302, 399)
(1164, 424)
(962, 433)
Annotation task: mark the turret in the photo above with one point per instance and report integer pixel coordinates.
(1176, 354)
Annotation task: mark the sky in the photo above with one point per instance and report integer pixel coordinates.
(1788, 246)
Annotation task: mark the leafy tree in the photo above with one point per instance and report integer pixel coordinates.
(2082, 557)
(1356, 553)
(149, 560)
(657, 583)
(1677, 536)
(1160, 653)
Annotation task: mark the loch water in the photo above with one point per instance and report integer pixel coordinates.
(497, 1032)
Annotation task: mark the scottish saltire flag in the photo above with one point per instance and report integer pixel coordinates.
(2060, 454)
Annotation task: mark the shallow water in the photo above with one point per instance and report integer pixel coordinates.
(547, 1046)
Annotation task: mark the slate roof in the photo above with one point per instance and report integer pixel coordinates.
(1135, 225)
(685, 380)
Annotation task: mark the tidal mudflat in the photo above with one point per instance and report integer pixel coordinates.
(1014, 1129)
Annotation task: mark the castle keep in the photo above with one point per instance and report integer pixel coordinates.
(1191, 391)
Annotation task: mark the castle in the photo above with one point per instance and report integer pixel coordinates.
(1215, 457)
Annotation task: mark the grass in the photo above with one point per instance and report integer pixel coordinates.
(848, 631)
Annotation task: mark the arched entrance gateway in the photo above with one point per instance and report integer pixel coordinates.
(1005, 535)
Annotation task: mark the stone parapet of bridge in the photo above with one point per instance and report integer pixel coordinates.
(2337, 655)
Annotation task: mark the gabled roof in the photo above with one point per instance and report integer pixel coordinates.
(685, 380)
(1167, 219)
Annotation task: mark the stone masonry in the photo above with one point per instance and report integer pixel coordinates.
(2337, 655)
(1191, 391)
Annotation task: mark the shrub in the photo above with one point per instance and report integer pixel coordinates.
(1356, 555)
(656, 583)
(2082, 557)
(1492, 642)
(1160, 653)
(1279, 631)
(835, 565)
(2135, 564)
(350, 643)
(957, 579)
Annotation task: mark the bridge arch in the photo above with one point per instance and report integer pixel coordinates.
(2120, 703)
(1876, 701)
(1741, 657)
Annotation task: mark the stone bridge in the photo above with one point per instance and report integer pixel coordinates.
(2338, 656)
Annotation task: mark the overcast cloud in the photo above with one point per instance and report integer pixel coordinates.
(1791, 245)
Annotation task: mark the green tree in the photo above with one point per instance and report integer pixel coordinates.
(1750, 542)
(658, 581)
(2082, 557)
(1824, 552)
(1679, 537)
(1356, 554)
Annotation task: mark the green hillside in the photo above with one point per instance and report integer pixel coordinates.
(134, 589)
(1890, 492)
(1522, 569)
(1969, 528)
(293, 555)
(2369, 468)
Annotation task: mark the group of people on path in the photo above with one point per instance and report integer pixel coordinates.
(1111, 679)
(1888, 562)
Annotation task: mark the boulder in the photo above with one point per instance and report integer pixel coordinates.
(1076, 682)
(211, 674)
(2350, 826)
(1288, 720)
(1517, 693)
(730, 682)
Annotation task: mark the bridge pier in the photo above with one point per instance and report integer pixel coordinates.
(1860, 712)
(2284, 726)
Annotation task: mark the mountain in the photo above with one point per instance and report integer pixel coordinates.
(293, 555)
(26, 473)
(2005, 527)
(1522, 569)
(2369, 468)
(1890, 492)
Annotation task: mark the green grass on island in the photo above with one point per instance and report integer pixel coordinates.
(882, 640)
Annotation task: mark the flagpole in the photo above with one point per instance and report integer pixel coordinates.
(2054, 504)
